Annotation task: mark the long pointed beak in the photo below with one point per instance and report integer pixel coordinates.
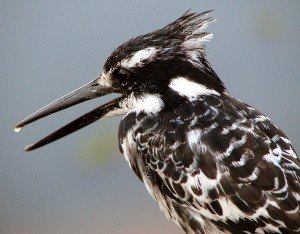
(77, 124)
(87, 92)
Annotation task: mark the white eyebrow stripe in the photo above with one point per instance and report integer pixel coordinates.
(190, 89)
(138, 57)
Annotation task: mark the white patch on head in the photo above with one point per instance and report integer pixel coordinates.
(105, 79)
(139, 57)
(190, 89)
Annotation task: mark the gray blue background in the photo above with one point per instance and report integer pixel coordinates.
(82, 184)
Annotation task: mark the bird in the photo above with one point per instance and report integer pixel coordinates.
(213, 163)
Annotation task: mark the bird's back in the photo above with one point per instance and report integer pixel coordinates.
(216, 163)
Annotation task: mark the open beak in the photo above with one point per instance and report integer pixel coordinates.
(87, 92)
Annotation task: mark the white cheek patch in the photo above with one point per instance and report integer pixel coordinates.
(105, 80)
(137, 59)
(149, 103)
(190, 89)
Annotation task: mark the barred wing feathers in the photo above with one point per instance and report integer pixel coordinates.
(225, 162)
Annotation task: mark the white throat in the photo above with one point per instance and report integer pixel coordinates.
(147, 103)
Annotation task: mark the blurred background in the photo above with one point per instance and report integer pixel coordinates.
(82, 184)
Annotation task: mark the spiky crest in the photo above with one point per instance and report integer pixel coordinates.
(184, 37)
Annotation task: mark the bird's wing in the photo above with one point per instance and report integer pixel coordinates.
(226, 160)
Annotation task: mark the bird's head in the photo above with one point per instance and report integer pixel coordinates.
(148, 63)
(151, 72)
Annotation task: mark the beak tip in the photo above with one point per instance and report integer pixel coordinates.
(29, 148)
(18, 128)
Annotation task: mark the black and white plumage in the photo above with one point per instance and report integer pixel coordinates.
(213, 163)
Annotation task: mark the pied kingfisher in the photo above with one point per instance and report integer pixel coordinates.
(213, 163)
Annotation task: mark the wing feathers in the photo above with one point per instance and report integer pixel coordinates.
(224, 162)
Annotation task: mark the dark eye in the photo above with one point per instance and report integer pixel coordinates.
(121, 73)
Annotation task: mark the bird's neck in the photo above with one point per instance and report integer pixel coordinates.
(183, 84)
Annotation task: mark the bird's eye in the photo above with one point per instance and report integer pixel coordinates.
(121, 73)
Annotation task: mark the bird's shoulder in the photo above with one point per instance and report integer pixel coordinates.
(211, 134)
